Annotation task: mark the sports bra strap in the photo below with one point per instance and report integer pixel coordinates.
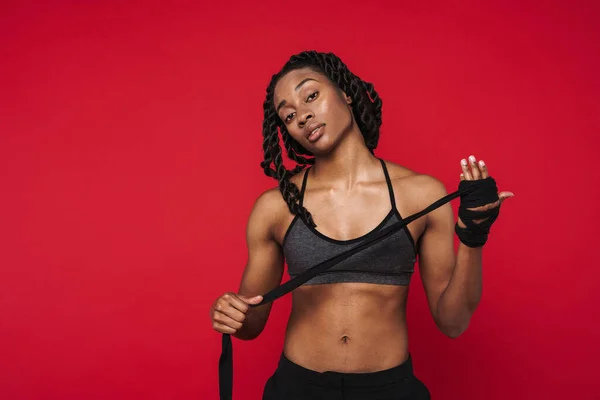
(387, 180)
(389, 184)
(304, 179)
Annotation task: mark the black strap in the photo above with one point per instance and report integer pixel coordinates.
(389, 184)
(303, 189)
(226, 359)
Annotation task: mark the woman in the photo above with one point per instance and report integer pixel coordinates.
(347, 334)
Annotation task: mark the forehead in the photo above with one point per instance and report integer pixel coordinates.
(285, 87)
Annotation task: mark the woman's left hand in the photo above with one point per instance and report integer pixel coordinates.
(473, 170)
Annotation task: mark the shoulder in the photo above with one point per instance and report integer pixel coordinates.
(271, 200)
(270, 209)
(262, 220)
(268, 204)
(423, 189)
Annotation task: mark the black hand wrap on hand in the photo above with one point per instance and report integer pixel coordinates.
(485, 192)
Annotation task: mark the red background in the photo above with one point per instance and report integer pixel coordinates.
(130, 142)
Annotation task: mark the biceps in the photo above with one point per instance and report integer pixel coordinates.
(264, 268)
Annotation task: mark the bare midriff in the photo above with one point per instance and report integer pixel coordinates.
(347, 327)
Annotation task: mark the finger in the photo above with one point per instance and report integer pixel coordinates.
(474, 167)
(227, 321)
(492, 205)
(235, 301)
(223, 305)
(232, 313)
(462, 177)
(483, 168)
(505, 195)
(465, 170)
(223, 329)
(251, 300)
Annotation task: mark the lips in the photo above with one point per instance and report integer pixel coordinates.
(313, 131)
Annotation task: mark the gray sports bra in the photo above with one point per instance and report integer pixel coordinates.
(390, 261)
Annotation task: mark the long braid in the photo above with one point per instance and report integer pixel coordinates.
(366, 108)
(272, 155)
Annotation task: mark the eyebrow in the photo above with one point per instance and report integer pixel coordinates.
(283, 102)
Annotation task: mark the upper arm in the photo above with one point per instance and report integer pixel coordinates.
(436, 255)
(264, 267)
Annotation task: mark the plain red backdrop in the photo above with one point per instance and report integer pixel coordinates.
(130, 143)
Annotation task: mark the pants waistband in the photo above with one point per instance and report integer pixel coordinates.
(395, 374)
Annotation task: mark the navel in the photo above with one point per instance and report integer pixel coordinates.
(345, 339)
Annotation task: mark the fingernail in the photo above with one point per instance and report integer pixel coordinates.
(472, 159)
(481, 163)
(463, 161)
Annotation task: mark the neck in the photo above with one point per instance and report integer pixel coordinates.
(347, 164)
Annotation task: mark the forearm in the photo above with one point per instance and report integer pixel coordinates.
(463, 293)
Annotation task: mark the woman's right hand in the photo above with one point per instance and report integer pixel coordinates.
(228, 312)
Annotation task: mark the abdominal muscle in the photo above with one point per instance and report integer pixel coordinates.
(347, 327)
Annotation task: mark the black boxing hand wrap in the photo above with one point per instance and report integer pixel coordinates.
(484, 191)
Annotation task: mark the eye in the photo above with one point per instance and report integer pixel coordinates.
(312, 96)
(289, 117)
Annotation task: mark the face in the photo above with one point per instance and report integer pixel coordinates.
(315, 112)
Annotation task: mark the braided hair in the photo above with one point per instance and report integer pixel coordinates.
(366, 108)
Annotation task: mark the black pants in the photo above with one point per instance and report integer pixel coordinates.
(293, 382)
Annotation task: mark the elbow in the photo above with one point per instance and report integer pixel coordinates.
(455, 324)
(455, 330)
(454, 333)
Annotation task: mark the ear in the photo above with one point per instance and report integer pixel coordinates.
(344, 96)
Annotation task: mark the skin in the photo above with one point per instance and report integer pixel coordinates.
(351, 327)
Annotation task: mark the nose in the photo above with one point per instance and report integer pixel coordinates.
(304, 117)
